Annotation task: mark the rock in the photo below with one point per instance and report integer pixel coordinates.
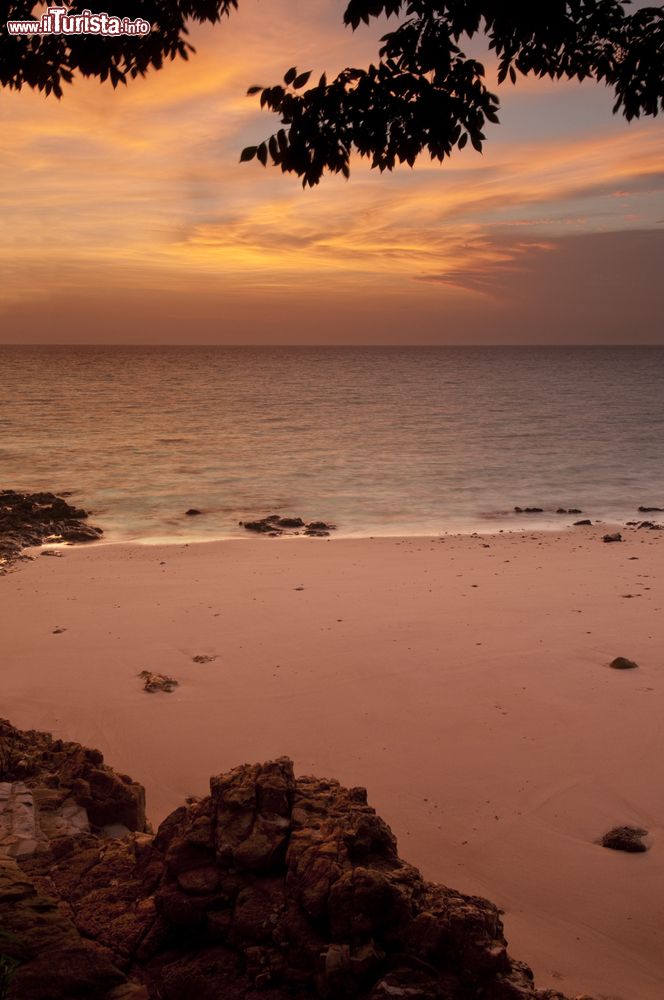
(528, 510)
(157, 682)
(574, 510)
(45, 956)
(582, 524)
(79, 533)
(289, 886)
(263, 526)
(65, 778)
(53, 553)
(625, 838)
(274, 526)
(192, 512)
(651, 510)
(203, 659)
(29, 519)
(614, 537)
(319, 529)
(622, 663)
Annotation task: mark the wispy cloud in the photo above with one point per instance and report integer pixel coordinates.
(141, 190)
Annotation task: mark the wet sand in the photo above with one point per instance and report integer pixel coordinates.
(464, 681)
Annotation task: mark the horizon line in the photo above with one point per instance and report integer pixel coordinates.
(332, 346)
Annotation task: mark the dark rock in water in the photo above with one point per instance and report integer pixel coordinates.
(29, 519)
(290, 522)
(622, 663)
(562, 510)
(274, 526)
(574, 510)
(615, 537)
(651, 510)
(293, 887)
(626, 838)
(193, 512)
(528, 510)
(80, 533)
(262, 527)
(583, 524)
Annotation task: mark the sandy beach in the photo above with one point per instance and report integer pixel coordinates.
(463, 680)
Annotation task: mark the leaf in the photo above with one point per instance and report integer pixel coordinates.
(253, 90)
(463, 140)
(300, 80)
(248, 153)
(290, 75)
(261, 153)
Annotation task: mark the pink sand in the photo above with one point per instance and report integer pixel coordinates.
(464, 681)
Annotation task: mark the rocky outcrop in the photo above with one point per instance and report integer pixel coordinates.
(62, 779)
(275, 526)
(30, 519)
(270, 887)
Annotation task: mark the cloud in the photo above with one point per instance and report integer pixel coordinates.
(138, 194)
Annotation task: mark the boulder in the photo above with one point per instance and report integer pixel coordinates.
(613, 537)
(57, 772)
(288, 886)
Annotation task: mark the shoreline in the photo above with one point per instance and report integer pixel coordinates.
(462, 679)
(339, 535)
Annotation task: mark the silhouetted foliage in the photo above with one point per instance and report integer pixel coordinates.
(46, 62)
(425, 94)
(422, 94)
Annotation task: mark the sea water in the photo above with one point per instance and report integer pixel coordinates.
(380, 441)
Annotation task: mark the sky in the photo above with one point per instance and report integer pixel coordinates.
(127, 218)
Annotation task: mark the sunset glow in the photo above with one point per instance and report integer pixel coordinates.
(133, 204)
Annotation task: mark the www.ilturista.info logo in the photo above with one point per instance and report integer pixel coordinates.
(59, 21)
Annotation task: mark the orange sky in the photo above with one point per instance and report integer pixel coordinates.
(127, 217)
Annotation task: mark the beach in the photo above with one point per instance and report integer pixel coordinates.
(463, 680)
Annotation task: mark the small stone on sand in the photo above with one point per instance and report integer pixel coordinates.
(157, 682)
(622, 663)
(625, 838)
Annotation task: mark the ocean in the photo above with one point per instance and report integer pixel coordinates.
(380, 441)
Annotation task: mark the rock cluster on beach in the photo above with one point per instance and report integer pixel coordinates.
(275, 526)
(271, 887)
(30, 519)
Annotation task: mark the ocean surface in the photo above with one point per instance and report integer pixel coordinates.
(379, 441)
